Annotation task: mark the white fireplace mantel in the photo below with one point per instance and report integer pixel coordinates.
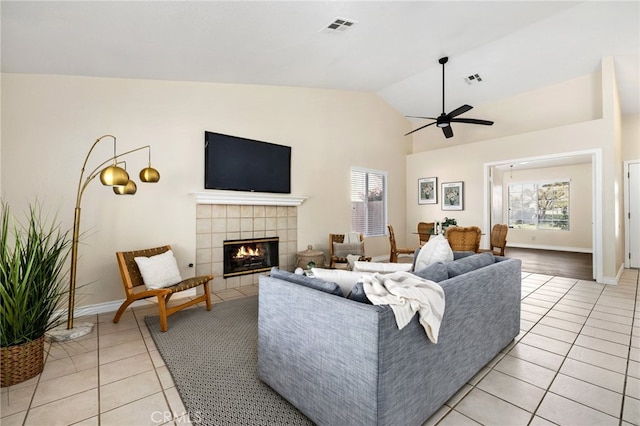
(247, 198)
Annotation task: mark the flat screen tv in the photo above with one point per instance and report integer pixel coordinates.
(241, 164)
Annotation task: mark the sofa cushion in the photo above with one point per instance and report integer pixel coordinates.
(345, 279)
(314, 283)
(357, 293)
(460, 254)
(437, 249)
(436, 272)
(469, 263)
(344, 249)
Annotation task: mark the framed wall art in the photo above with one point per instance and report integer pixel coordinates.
(428, 190)
(452, 196)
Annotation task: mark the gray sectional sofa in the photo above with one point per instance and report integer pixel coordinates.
(343, 362)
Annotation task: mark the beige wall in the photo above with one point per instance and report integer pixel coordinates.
(601, 135)
(631, 137)
(49, 123)
(579, 235)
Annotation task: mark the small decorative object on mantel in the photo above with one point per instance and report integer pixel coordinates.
(310, 258)
(452, 196)
(428, 190)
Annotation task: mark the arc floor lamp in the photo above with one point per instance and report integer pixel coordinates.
(118, 178)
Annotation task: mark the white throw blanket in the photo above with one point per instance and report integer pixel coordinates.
(408, 294)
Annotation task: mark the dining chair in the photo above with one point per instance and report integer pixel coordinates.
(464, 238)
(395, 251)
(425, 230)
(498, 239)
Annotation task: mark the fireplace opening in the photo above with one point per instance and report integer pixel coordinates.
(249, 256)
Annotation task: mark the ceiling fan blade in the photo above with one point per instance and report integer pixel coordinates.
(420, 128)
(472, 121)
(417, 116)
(448, 132)
(459, 110)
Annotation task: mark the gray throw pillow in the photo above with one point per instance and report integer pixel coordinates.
(344, 249)
(314, 283)
(469, 263)
(436, 272)
(357, 294)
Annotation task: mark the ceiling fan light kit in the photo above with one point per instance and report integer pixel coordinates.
(444, 120)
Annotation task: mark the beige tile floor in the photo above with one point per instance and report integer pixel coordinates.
(575, 362)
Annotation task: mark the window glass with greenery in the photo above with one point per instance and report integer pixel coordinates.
(539, 205)
(368, 201)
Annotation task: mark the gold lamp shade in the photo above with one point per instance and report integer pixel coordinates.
(150, 175)
(114, 176)
(129, 189)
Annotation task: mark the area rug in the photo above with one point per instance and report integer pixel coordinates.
(213, 359)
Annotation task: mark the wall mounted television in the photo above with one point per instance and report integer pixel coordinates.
(241, 164)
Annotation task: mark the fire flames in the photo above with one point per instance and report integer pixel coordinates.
(246, 252)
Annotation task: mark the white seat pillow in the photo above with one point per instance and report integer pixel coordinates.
(437, 249)
(159, 271)
(381, 267)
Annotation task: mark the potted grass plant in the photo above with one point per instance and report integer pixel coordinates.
(32, 287)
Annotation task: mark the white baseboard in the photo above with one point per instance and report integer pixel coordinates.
(101, 308)
(547, 247)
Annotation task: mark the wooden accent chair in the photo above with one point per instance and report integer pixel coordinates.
(335, 258)
(498, 239)
(135, 289)
(395, 250)
(425, 229)
(464, 238)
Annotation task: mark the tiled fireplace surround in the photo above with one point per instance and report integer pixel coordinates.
(216, 223)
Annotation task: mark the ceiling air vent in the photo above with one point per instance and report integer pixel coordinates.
(339, 25)
(474, 78)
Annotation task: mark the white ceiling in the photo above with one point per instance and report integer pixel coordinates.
(393, 50)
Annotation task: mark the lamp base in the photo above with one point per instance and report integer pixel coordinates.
(61, 333)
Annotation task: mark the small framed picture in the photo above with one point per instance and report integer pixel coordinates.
(428, 190)
(452, 196)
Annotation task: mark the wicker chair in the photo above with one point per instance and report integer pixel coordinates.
(135, 289)
(425, 229)
(334, 259)
(464, 238)
(395, 251)
(498, 239)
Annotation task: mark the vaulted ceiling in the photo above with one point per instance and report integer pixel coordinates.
(392, 48)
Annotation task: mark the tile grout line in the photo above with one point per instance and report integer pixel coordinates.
(557, 372)
(626, 373)
(98, 366)
(473, 386)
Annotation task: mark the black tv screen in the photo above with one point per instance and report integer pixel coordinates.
(241, 164)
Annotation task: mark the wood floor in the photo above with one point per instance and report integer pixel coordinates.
(557, 263)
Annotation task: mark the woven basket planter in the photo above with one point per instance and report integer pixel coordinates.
(21, 362)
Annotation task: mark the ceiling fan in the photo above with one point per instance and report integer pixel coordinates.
(444, 120)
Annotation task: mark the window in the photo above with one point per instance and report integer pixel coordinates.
(541, 205)
(368, 201)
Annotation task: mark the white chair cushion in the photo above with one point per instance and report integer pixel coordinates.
(437, 249)
(159, 271)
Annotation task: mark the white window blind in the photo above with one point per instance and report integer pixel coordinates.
(368, 201)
